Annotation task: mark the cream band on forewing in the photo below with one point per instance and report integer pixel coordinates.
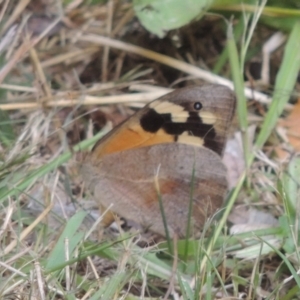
(185, 138)
(208, 117)
(180, 118)
(166, 107)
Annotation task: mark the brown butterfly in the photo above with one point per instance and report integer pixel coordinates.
(169, 150)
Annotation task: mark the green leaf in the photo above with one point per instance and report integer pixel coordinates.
(161, 16)
(186, 290)
(57, 256)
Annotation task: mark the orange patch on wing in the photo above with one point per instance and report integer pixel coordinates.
(129, 138)
(166, 187)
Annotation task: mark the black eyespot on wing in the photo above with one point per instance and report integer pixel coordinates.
(198, 105)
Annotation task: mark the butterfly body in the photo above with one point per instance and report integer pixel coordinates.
(169, 150)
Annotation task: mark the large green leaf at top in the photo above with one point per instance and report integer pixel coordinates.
(159, 16)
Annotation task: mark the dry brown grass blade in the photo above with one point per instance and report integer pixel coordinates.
(3, 10)
(105, 56)
(16, 57)
(25, 47)
(63, 58)
(122, 22)
(40, 73)
(27, 230)
(87, 100)
(14, 16)
(18, 88)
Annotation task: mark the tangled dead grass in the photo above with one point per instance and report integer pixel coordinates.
(55, 74)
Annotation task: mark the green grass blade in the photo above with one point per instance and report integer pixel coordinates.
(285, 82)
(239, 87)
(57, 256)
(290, 185)
(113, 286)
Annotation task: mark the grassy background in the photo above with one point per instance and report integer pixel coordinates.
(60, 61)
